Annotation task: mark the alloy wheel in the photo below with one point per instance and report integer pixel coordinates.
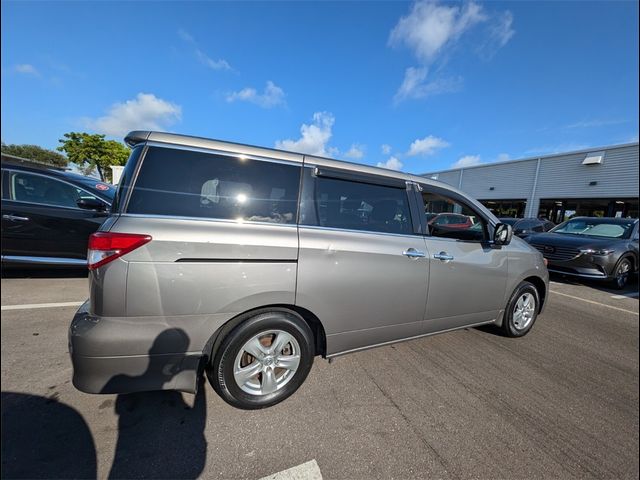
(622, 273)
(266, 362)
(524, 311)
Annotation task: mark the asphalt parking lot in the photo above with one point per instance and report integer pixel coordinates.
(559, 403)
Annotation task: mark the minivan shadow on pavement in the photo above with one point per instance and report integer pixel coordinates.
(44, 438)
(159, 434)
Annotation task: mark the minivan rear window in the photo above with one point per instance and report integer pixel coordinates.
(186, 183)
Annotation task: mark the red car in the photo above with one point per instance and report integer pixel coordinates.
(451, 220)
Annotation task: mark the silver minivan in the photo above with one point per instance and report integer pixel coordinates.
(245, 263)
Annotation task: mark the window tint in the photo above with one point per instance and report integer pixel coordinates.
(450, 219)
(125, 179)
(26, 187)
(193, 184)
(361, 206)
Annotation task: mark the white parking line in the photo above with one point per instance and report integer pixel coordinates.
(29, 306)
(595, 303)
(306, 471)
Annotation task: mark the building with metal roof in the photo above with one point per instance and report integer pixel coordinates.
(599, 181)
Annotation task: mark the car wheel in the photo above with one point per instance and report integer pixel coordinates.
(621, 273)
(522, 310)
(263, 360)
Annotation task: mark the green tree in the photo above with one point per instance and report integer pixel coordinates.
(92, 151)
(36, 153)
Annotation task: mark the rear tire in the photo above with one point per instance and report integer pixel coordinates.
(521, 311)
(621, 273)
(263, 360)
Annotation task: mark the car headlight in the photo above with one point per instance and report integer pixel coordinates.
(597, 251)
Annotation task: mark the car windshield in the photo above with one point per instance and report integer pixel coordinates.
(596, 227)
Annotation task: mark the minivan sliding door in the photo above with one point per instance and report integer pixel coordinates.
(361, 268)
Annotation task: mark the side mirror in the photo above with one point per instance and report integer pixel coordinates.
(91, 204)
(502, 234)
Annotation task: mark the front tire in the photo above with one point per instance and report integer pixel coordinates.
(521, 311)
(263, 360)
(621, 273)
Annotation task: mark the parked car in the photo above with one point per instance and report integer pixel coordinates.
(592, 247)
(247, 262)
(48, 215)
(451, 220)
(523, 227)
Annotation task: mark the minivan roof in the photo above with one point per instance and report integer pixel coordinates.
(141, 136)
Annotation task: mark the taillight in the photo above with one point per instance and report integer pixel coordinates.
(107, 246)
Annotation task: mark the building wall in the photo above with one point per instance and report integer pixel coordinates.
(559, 177)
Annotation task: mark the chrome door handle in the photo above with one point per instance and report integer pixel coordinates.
(444, 256)
(413, 253)
(15, 218)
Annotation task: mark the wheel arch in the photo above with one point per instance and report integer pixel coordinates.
(541, 287)
(632, 256)
(314, 323)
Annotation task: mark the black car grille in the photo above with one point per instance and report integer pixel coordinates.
(558, 254)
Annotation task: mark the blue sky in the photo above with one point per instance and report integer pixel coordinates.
(417, 86)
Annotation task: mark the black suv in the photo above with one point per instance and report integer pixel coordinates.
(49, 213)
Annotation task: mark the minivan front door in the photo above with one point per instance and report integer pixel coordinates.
(467, 278)
(361, 270)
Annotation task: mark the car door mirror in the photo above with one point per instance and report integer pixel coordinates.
(502, 234)
(91, 204)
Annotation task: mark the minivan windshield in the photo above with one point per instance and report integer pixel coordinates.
(596, 227)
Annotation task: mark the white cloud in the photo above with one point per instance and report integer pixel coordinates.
(430, 26)
(392, 163)
(503, 157)
(558, 148)
(414, 85)
(207, 61)
(314, 137)
(386, 149)
(26, 69)
(203, 58)
(431, 30)
(186, 36)
(145, 112)
(467, 161)
(272, 96)
(356, 152)
(427, 146)
(600, 122)
(502, 30)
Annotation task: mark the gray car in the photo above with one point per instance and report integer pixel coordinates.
(245, 263)
(597, 248)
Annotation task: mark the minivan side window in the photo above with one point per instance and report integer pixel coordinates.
(361, 206)
(448, 218)
(186, 183)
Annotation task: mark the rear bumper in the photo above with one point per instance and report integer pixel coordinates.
(102, 365)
